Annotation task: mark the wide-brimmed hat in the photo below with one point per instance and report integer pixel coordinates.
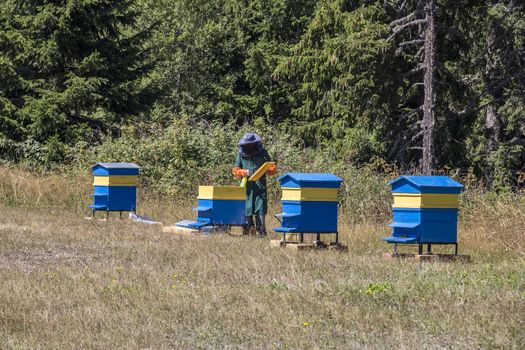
(250, 144)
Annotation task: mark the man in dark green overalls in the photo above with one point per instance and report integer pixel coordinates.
(251, 156)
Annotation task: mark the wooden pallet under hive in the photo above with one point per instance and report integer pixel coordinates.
(428, 257)
(206, 231)
(307, 246)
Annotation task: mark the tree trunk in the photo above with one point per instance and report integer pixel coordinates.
(429, 85)
(493, 127)
(492, 119)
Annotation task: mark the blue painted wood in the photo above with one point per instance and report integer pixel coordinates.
(426, 184)
(411, 225)
(309, 217)
(221, 212)
(309, 180)
(285, 229)
(196, 225)
(115, 198)
(107, 169)
(425, 225)
(400, 240)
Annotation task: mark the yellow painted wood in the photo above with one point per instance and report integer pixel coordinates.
(292, 236)
(425, 200)
(123, 180)
(261, 171)
(222, 192)
(309, 194)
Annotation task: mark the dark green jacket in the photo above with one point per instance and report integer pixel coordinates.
(256, 194)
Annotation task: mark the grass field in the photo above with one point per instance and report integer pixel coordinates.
(70, 283)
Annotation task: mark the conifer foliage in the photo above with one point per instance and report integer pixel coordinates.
(422, 84)
(70, 69)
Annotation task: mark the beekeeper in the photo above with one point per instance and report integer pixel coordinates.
(253, 155)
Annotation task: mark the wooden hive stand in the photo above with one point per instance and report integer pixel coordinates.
(300, 244)
(428, 256)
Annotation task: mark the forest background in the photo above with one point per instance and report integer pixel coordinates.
(330, 85)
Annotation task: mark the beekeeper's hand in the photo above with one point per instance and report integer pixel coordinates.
(271, 170)
(238, 172)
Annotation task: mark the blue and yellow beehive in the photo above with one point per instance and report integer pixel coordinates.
(425, 210)
(217, 206)
(115, 187)
(309, 203)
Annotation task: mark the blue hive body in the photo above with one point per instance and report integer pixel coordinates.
(114, 198)
(308, 217)
(220, 212)
(425, 210)
(218, 206)
(115, 187)
(423, 226)
(309, 203)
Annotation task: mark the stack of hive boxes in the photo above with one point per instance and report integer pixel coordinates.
(115, 187)
(218, 205)
(309, 203)
(425, 210)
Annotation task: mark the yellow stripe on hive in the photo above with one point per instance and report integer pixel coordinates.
(123, 180)
(310, 194)
(425, 200)
(222, 192)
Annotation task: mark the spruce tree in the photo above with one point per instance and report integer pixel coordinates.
(345, 76)
(497, 77)
(70, 68)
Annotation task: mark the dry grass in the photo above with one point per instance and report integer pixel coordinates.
(73, 283)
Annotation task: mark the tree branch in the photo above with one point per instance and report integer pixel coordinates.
(401, 20)
(413, 71)
(406, 44)
(400, 28)
(411, 42)
(420, 51)
(403, 5)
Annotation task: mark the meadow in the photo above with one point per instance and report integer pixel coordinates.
(70, 283)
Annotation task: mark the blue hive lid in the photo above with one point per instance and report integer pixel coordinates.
(117, 165)
(104, 169)
(426, 184)
(310, 180)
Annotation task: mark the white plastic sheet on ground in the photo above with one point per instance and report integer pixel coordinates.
(143, 219)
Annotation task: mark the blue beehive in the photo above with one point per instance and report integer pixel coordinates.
(425, 210)
(218, 206)
(309, 203)
(115, 187)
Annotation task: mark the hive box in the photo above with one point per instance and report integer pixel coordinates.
(309, 203)
(115, 187)
(218, 205)
(425, 210)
